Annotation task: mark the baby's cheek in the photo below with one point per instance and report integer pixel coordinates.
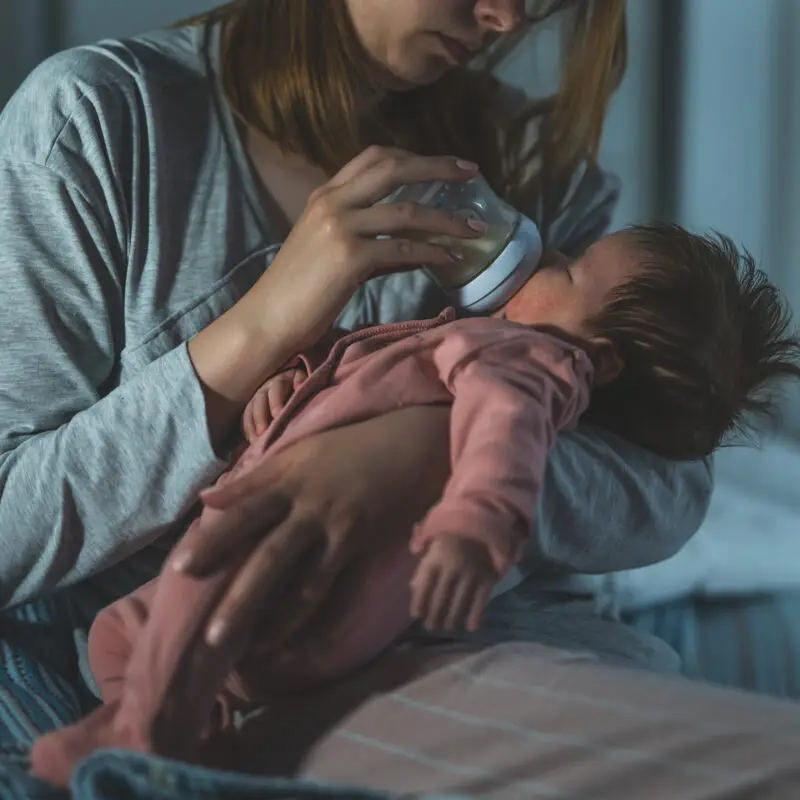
(532, 308)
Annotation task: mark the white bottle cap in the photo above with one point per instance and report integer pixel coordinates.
(505, 276)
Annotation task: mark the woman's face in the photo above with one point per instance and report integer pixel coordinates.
(416, 41)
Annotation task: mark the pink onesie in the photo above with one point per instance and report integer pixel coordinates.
(510, 387)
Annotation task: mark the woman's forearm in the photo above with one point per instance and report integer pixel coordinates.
(233, 357)
(608, 505)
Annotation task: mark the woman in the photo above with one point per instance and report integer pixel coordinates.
(145, 188)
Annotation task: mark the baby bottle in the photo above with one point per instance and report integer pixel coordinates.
(495, 266)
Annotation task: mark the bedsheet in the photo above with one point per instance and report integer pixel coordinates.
(41, 677)
(517, 720)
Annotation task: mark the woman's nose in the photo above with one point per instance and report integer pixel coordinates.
(500, 16)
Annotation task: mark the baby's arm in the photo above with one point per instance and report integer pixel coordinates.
(267, 402)
(510, 398)
(452, 583)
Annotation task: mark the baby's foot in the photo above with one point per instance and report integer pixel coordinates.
(55, 755)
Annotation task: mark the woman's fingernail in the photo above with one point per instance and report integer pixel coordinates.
(216, 633)
(467, 166)
(260, 430)
(181, 562)
(455, 255)
(478, 225)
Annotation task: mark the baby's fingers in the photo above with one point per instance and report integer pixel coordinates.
(248, 426)
(278, 392)
(252, 419)
(260, 411)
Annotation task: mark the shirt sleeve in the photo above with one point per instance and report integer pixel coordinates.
(609, 505)
(504, 422)
(90, 471)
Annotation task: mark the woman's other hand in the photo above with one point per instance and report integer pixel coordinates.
(305, 514)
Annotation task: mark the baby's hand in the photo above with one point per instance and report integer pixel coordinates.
(452, 583)
(268, 401)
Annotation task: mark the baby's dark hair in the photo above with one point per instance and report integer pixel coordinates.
(703, 336)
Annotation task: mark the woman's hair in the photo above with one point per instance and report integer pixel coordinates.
(296, 71)
(703, 336)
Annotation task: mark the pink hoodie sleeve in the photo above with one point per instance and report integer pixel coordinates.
(510, 398)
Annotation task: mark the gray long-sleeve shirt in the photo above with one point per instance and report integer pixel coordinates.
(129, 220)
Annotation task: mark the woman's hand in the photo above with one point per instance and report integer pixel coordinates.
(332, 249)
(305, 514)
(334, 246)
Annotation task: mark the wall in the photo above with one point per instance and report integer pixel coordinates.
(89, 20)
(32, 29)
(787, 165)
(739, 170)
(631, 139)
(8, 74)
(27, 30)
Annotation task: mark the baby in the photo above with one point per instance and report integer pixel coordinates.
(664, 337)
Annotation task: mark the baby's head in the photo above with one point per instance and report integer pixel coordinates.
(686, 334)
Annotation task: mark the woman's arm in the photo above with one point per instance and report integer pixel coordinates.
(91, 470)
(86, 475)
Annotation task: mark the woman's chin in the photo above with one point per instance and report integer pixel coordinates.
(411, 76)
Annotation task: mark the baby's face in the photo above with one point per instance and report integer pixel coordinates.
(566, 294)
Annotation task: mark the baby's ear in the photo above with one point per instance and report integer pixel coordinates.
(607, 361)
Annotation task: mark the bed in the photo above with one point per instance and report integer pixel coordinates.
(749, 639)
(752, 643)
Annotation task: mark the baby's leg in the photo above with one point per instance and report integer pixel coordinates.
(112, 639)
(113, 636)
(174, 678)
(159, 679)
